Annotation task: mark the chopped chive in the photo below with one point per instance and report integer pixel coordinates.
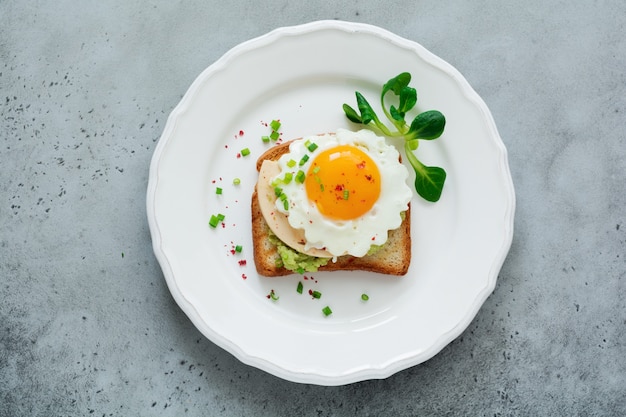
(300, 177)
(300, 270)
(288, 177)
(220, 217)
(236, 181)
(282, 197)
(238, 248)
(265, 138)
(365, 297)
(291, 163)
(316, 294)
(327, 311)
(316, 169)
(275, 124)
(245, 152)
(303, 160)
(286, 204)
(311, 147)
(218, 190)
(273, 295)
(346, 194)
(278, 191)
(274, 135)
(214, 221)
(300, 287)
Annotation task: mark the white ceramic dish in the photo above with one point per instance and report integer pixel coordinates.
(302, 75)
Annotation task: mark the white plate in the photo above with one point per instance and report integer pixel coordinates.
(302, 75)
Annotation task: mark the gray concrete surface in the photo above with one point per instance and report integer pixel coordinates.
(88, 326)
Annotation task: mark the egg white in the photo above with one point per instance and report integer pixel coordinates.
(349, 237)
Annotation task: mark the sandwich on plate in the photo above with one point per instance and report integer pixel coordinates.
(337, 201)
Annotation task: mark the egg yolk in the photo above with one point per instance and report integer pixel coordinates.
(344, 182)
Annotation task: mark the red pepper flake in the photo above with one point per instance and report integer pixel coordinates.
(373, 237)
(241, 133)
(242, 262)
(225, 146)
(244, 276)
(238, 155)
(361, 165)
(223, 225)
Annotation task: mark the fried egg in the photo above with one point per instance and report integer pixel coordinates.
(345, 191)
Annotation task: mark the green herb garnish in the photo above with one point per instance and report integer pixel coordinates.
(275, 125)
(327, 311)
(428, 125)
(300, 287)
(216, 219)
(365, 297)
(245, 152)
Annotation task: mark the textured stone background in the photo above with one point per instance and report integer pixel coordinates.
(85, 91)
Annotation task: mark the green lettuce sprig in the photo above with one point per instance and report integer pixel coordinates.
(428, 125)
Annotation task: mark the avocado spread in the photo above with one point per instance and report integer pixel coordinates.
(300, 262)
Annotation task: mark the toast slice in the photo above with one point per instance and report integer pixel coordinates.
(393, 258)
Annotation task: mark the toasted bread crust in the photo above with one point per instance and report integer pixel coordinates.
(393, 258)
